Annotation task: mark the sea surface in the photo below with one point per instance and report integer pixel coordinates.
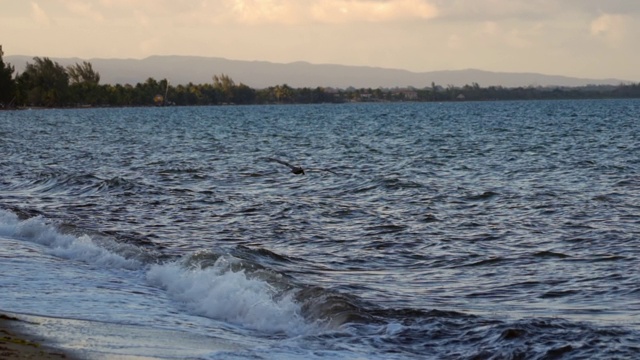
(470, 230)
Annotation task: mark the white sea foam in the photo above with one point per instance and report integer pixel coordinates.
(67, 246)
(220, 293)
(216, 292)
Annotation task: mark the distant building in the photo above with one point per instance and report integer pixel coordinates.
(407, 94)
(411, 95)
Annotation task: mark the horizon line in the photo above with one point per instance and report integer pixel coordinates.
(468, 69)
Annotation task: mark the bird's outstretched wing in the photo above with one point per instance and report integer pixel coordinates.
(322, 169)
(294, 169)
(281, 162)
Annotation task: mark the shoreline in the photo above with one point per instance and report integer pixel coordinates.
(18, 344)
(377, 101)
(38, 337)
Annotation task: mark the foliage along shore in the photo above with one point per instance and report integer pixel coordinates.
(45, 83)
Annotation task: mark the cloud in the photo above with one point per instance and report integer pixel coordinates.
(250, 12)
(455, 42)
(346, 11)
(496, 10)
(612, 28)
(142, 19)
(262, 11)
(150, 45)
(83, 8)
(573, 36)
(146, 4)
(289, 12)
(39, 15)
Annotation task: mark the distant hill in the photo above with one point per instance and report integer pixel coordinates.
(262, 74)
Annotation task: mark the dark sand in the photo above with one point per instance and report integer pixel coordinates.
(15, 344)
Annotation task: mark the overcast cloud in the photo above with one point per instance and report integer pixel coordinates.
(585, 38)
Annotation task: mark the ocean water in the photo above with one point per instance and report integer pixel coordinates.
(419, 231)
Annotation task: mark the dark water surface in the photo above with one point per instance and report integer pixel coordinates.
(456, 230)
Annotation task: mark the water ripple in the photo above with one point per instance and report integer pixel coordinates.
(463, 230)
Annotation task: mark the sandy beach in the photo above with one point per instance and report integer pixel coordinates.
(25, 336)
(16, 344)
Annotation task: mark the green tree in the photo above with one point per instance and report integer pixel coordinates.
(83, 73)
(225, 87)
(7, 83)
(243, 94)
(283, 93)
(146, 93)
(193, 94)
(84, 86)
(43, 83)
(210, 95)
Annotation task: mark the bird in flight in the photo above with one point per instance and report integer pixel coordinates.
(298, 170)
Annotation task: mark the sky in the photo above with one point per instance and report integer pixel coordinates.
(582, 38)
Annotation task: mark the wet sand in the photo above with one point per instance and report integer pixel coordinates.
(16, 344)
(27, 336)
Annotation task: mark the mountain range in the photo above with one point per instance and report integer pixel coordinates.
(262, 74)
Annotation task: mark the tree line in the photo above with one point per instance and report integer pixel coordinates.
(45, 83)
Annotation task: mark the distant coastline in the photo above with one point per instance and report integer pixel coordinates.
(134, 96)
(158, 93)
(45, 83)
(182, 70)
